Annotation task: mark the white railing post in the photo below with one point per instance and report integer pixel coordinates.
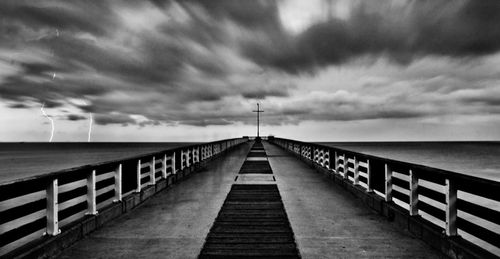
(52, 208)
(91, 194)
(336, 163)
(346, 167)
(451, 207)
(183, 159)
(173, 164)
(388, 183)
(152, 181)
(368, 176)
(164, 167)
(197, 154)
(118, 183)
(138, 174)
(413, 193)
(356, 171)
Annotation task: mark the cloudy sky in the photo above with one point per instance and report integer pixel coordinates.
(193, 70)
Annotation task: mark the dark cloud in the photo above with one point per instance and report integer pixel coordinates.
(18, 106)
(75, 117)
(250, 14)
(74, 16)
(445, 28)
(105, 119)
(263, 93)
(206, 122)
(182, 62)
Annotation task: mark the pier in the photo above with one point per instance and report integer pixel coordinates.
(246, 198)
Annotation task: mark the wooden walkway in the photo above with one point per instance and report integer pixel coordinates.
(327, 222)
(252, 222)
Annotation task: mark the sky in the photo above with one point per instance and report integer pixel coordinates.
(323, 70)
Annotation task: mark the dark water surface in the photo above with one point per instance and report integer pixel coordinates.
(19, 160)
(481, 159)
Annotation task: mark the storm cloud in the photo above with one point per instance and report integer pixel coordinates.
(401, 32)
(203, 63)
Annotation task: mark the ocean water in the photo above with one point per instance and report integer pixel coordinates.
(20, 160)
(478, 158)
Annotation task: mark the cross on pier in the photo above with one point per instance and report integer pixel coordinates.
(258, 111)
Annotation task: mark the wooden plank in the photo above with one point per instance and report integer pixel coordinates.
(451, 207)
(118, 183)
(432, 194)
(369, 177)
(73, 217)
(72, 202)
(105, 197)
(22, 210)
(250, 223)
(479, 231)
(480, 188)
(106, 189)
(72, 210)
(72, 185)
(431, 210)
(138, 177)
(22, 231)
(105, 183)
(104, 203)
(356, 171)
(152, 171)
(388, 183)
(63, 197)
(479, 211)
(4, 249)
(17, 222)
(400, 183)
(91, 193)
(105, 176)
(14, 202)
(400, 196)
(24, 188)
(413, 202)
(52, 221)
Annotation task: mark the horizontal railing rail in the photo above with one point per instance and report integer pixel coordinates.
(459, 204)
(41, 205)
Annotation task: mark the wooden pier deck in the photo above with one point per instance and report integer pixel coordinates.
(326, 220)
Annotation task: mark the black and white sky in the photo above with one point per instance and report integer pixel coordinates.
(332, 70)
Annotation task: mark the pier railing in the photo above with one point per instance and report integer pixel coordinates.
(42, 205)
(458, 204)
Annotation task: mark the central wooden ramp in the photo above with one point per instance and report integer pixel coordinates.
(251, 224)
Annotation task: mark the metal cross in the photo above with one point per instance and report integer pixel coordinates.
(258, 111)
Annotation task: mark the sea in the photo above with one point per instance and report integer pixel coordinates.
(477, 158)
(21, 160)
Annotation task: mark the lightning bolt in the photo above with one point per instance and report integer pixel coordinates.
(91, 120)
(51, 122)
(90, 125)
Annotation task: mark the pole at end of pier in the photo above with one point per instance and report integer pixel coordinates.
(258, 111)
